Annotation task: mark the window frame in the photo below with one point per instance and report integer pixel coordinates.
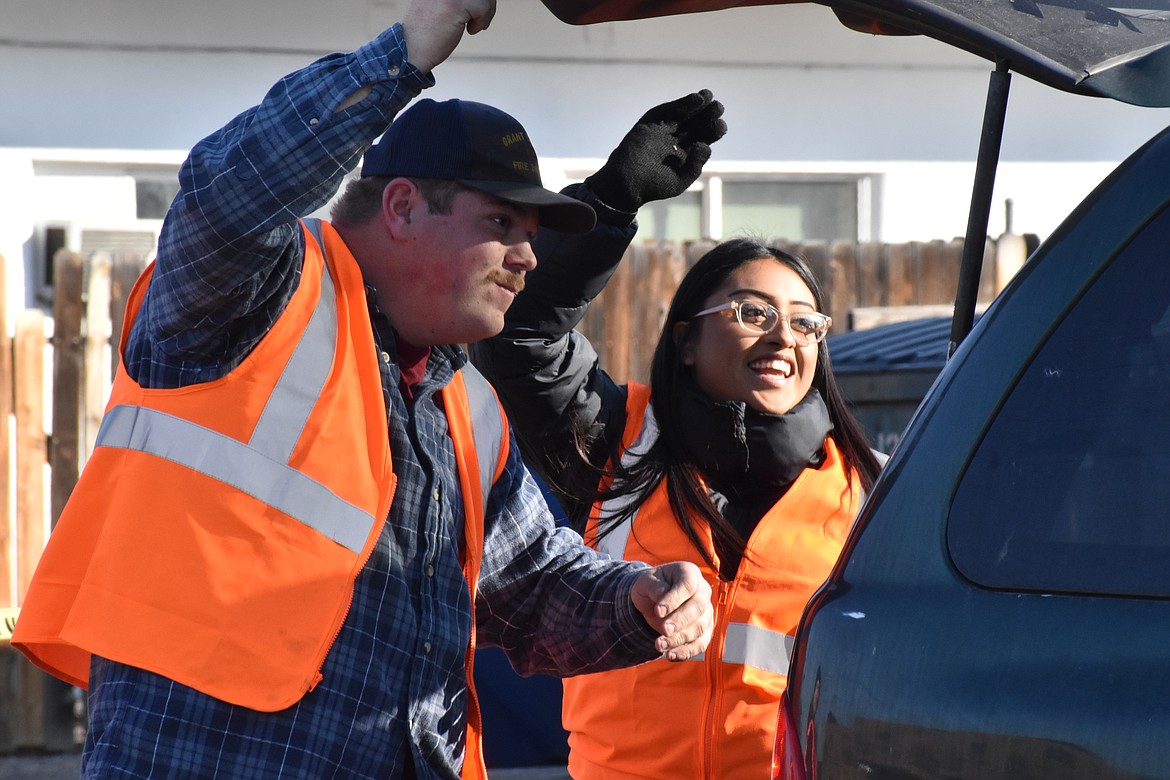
(710, 185)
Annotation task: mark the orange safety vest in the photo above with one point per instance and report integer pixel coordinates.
(715, 716)
(216, 532)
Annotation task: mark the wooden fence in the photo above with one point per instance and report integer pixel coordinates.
(55, 373)
(54, 377)
(864, 284)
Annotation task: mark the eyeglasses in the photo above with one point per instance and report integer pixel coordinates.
(806, 327)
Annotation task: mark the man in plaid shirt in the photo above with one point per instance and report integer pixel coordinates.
(443, 240)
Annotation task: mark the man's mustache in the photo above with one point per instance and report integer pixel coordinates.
(511, 279)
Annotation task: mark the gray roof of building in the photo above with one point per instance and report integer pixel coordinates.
(912, 344)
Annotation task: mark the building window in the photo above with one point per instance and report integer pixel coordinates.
(792, 210)
(153, 196)
(677, 219)
(788, 207)
(93, 205)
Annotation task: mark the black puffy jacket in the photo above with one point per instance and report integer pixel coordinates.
(546, 373)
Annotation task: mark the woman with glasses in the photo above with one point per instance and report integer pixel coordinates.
(740, 455)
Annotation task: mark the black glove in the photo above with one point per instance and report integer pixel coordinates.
(662, 155)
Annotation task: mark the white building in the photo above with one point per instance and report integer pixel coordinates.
(833, 134)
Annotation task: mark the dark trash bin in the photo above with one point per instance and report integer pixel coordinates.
(885, 371)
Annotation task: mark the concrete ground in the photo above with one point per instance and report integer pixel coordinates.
(68, 767)
(55, 767)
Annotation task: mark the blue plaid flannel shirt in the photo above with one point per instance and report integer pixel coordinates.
(393, 700)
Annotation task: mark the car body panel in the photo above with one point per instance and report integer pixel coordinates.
(904, 667)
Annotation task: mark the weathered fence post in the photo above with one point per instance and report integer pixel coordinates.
(940, 270)
(68, 372)
(43, 708)
(59, 722)
(125, 270)
(607, 322)
(7, 559)
(25, 729)
(96, 340)
(31, 445)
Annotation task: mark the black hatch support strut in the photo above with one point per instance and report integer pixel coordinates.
(975, 243)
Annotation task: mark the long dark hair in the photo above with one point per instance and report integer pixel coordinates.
(689, 500)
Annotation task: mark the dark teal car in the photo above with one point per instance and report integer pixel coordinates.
(1001, 609)
(1002, 606)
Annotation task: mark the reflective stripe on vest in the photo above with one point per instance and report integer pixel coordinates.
(757, 647)
(613, 543)
(260, 467)
(760, 648)
(487, 425)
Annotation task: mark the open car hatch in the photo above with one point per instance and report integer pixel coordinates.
(1121, 52)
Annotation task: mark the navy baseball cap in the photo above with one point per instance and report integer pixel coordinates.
(478, 146)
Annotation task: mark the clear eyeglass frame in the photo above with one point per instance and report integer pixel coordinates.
(760, 319)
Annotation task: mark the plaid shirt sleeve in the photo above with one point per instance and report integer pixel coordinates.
(553, 604)
(230, 250)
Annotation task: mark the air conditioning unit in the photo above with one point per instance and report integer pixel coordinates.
(51, 237)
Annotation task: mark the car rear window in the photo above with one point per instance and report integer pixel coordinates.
(1069, 491)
